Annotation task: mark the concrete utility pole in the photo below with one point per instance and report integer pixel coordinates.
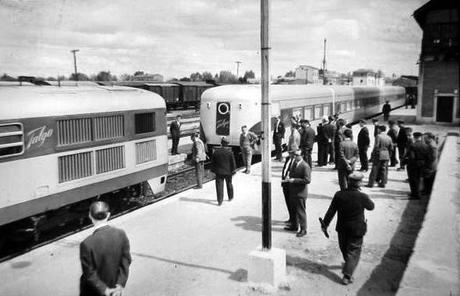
(266, 115)
(74, 51)
(238, 69)
(324, 63)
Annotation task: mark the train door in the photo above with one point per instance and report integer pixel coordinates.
(444, 108)
(223, 118)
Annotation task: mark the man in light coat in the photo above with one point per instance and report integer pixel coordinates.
(198, 158)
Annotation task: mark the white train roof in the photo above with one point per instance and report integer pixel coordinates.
(288, 92)
(38, 101)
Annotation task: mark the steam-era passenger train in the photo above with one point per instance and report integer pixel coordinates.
(225, 109)
(62, 145)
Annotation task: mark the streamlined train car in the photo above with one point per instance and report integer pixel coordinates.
(225, 109)
(62, 145)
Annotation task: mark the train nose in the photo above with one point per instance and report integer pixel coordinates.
(223, 119)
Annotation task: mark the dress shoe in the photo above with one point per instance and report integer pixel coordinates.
(290, 228)
(219, 204)
(245, 171)
(230, 199)
(381, 185)
(301, 233)
(346, 280)
(369, 186)
(287, 222)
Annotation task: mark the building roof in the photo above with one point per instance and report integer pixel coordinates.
(365, 71)
(420, 13)
(307, 66)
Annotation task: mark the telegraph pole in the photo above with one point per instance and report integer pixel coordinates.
(74, 51)
(265, 120)
(238, 69)
(324, 63)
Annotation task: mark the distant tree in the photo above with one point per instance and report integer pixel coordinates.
(137, 73)
(206, 76)
(81, 77)
(290, 74)
(380, 73)
(104, 76)
(227, 77)
(125, 77)
(61, 77)
(6, 77)
(184, 79)
(196, 77)
(51, 78)
(248, 75)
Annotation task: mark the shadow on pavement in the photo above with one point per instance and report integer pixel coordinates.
(386, 277)
(314, 267)
(201, 200)
(254, 223)
(240, 275)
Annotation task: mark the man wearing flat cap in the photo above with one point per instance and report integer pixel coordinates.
(351, 224)
(104, 256)
(298, 180)
(223, 165)
(417, 159)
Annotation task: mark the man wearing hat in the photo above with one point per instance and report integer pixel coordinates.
(307, 139)
(363, 144)
(386, 110)
(351, 224)
(380, 158)
(291, 223)
(224, 166)
(402, 143)
(322, 142)
(298, 180)
(104, 256)
(198, 158)
(417, 159)
(393, 134)
(329, 132)
(430, 168)
(347, 156)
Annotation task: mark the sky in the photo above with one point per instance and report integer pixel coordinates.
(178, 37)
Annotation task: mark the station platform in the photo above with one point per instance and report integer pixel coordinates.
(187, 245)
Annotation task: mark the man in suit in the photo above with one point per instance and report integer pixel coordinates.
(278, 136)
(380, 158)
(104, 256)
(393, 134)
(294, 139)
(247, 142)
(351, 224)
(298, 180)
(329, 132)
(348, 154)
(174, 129)
(291, 224)
(429, 171)
(386, 111)
(223, 165)
(198, 158)
(417, 159)
(322, 143)
(339, 137)
(401, 142)
(363, 144)
(307, 139)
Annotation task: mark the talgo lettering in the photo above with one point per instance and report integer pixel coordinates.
(222, 123)
(38, 136)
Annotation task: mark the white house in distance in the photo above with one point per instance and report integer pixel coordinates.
(367, 77)
(308, 74)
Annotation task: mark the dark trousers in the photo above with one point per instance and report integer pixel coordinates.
(220, 187)
(289, 206)
(379, 172)
(331, 152)
(350, 247)
(278, 149)
(414, 173)
(199, 171)
(322, 154)
(247, 158)
(401, 152)
(343, 178)
(393, 160)
(306, 153)
(363, 158)
(175, 145)
(337, 153)
(300, 211)
(428, 183)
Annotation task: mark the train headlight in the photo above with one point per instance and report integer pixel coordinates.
(223, 108)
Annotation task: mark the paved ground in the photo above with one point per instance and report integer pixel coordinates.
(187, 245)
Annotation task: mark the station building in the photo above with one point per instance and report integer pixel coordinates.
(309, 74)
(439, 62)
(367, 77)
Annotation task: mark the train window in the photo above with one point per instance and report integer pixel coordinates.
(318, 111)
(146, 151)
(357, 103)
(74, 131)
(349, 106)
(343, 107)
(11, 139)
(297, 112)
(327, 109)
(144, 122)
(109, 127)
(308, 113)
(75, 166)
(110, 159)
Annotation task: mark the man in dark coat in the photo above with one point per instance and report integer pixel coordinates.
(329, 132)
(429, 171)
(224, 166)
(292, 222)
(417, 158)
(339, 137)
(104, 256)
(307, 139)
(386, 111)
(380, 158)
(174, 129)
(375, 122)
(401, 142)
(278, 136)
(298, 180)
(393, 134)
(348, 154)
(363, 144)
(322, 143)
(351, 223)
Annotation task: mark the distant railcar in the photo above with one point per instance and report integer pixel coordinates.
(225, 109)
(63, 145)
